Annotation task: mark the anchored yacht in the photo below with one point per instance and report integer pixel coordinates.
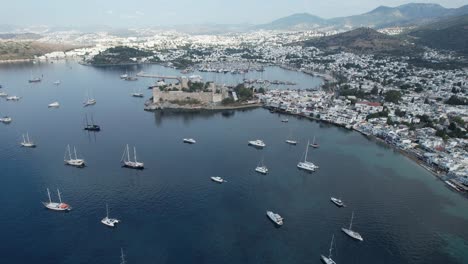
(257, 143)
(291, 142)
(6, 119)
(54, 105)
(276, 218)
(60, 206)
(337, 201)
(109, 221)
(13, 98)
(307, 165)
(189, 140)
(329, 260)
(127, 162)
(350, 232)
(218, 179)
(91, 126)
(73, 161)
(3, 94)
(314, 144)
(27, 142)
(261, 168)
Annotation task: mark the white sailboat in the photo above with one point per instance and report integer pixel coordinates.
(89, 100)
(6, 119)
(314, 144)
(60, 206)
(109, 221)
(329, 260)
(73, 161)
(257, 143)
(54, 105)
(137, 94)
(261, 168)
(127, 162)
(27, 142)
(350, 232)
(307, 165)
(57, 82)
(290, 141)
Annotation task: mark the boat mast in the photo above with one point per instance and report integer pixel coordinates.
(60, 198)
(27, 137)
(128, 153)
(331, 247)
(69, 152)
(74, 150)
(351, 223)
(107, 210)
(24, 140)
(134, 153)
(307, 150)
(48, 193)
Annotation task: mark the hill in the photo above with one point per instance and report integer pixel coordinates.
(363, 40)
(446, 34)
(18, 50)
(383, 16)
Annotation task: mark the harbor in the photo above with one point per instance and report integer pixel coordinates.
(174, 205)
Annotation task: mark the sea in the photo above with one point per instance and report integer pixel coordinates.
(171, 212)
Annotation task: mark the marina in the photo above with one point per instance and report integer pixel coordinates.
(172, 206)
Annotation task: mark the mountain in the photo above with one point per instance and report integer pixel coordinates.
(363, 40)
(17, 50)
(383, 16)
(448, 34)
(296, 21)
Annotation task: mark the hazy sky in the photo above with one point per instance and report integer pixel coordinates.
(169, 12)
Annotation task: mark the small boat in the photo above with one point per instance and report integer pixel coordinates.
(35, 80)
(350, 232)
(261, 168)
(218, 179)
(257, 143)
(73, 161)
(57, 82)
(291, 142)
(6, 120)
(329, 260)
(13, 98)
(27, 143)
(3, 94)
(189, 140)
(307, 165)
(92, 126)
(89, 101)
(124, 76)
(54, 105)
(128, 163)
(276, 218)
(137, 94)
(131, 78)
(314, 144)
(109, 221)
(60, 206)
(337, 201)
(285, 120)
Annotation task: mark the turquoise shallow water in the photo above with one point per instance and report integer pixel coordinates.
(172, 213)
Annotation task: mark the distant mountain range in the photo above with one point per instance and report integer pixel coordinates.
(383, 16)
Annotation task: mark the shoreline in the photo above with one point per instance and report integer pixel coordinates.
(439, 175)
(150, 107)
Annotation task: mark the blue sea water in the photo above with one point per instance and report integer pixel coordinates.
(172, 213)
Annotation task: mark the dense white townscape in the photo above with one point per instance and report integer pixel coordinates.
(412, 105)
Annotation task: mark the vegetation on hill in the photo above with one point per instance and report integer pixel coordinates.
(18, 50)
(447, 34)
(119, 55)
(363, 40)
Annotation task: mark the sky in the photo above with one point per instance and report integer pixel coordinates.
(118, 13)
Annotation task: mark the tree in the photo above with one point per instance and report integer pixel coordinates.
(261, 90)
(374, 90)
(455, 100)
(227, 101)
(393, 96)
(459, 120)
(419, 89)
(452, 126)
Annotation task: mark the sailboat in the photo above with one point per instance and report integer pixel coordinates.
(329, 260)
(89, 101)
(261, 168)
(54, 105)
(127, 162)
(307, 165)
(73, 161)
(124, 76)
(92, 126)
(6, 119)
(57, 82)
(34, 80)
(291, 141)
(137, 94)
(109, 221)
(27, 142)
(350, 232)
(314, 144)
(60, 206)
